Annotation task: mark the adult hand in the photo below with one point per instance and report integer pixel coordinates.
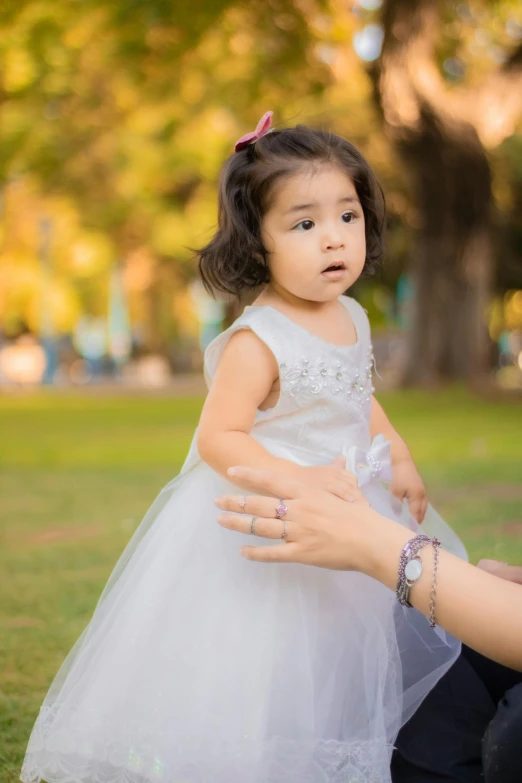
(483, 611)
(333, 478)
(329, 532)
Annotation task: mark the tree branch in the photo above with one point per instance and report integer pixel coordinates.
(498, 104)
(410, 80)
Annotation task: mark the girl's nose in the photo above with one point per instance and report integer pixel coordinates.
(332, 240)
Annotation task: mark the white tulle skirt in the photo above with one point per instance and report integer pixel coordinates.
(202, 667)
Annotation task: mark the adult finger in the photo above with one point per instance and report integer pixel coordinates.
(266, 482)
(252, 504)
(340, 474)
(263, 527)
(344, 473)
(272, 554)
(349, 479)
(346, 491)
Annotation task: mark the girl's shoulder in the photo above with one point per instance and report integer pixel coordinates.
(286, 339)
(354, 307)
(259, 319)
(359, 317)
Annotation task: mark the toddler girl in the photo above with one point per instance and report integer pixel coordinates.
(199, 666)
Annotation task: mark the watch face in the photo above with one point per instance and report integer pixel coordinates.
(413, 570)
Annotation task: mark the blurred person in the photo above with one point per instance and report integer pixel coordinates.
(469, 726)
(195, 666)
(23, 361)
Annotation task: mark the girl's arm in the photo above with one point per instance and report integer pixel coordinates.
(380, 423)
(244, 378)
(407, 482)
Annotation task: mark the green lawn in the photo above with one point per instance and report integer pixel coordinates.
(77, 472)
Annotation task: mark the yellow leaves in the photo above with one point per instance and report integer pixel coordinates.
(241, 43)
(14, 118)
(193, 86)
(26, 291)
(62, 306)
(90, 254)
(160, 37)
(170, 235)
(147, 170)
(513, 304)
(124, 94)
(147, 118)
(505, 314)
(140, 270)
(174, 233)
(212, 47)
(82, 28)
(42, 277)
(184, 313)
(203, 142)
(19, 70)
(201, 214)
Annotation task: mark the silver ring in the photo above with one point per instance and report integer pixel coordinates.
(253, 526)
(284, 534)
(242, 504)
(281, 509)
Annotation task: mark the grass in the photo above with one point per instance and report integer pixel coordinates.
(77, 472)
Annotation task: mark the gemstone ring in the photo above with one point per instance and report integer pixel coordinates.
(281, 509)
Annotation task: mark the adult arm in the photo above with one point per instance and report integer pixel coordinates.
(481, 609)
(477, 607)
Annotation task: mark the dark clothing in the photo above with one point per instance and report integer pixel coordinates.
(467, 730)
(502, 749)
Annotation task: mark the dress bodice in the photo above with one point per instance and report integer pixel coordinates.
(325, 396)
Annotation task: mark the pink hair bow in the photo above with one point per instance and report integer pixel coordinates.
(263, 126)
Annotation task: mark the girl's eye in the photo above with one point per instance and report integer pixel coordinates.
(348, 217)
(305, 225)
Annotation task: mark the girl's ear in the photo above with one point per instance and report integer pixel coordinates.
(260, 270)
(264, 271)
(259, 259)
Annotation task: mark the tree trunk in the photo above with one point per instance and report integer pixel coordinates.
(452, 263)
(451, 183)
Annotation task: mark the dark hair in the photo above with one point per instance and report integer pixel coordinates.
(235, 258)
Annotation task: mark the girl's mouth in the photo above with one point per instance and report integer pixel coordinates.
(334, 271)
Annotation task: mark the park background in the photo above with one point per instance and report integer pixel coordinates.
(115, 116)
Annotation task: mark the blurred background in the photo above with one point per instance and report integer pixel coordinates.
(115, 117)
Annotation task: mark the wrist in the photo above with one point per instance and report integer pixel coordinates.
(382, 550)
(400, 453)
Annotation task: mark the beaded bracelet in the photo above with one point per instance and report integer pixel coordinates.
(410, 570)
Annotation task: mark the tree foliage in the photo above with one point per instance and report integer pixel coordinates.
(115, 116)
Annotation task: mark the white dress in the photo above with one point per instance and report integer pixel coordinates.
(199, 666)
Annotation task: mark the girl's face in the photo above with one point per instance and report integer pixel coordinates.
(314, 234)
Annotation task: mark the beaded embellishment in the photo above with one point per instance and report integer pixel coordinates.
(314, 376)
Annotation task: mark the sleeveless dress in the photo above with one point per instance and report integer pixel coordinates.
(199, 666)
